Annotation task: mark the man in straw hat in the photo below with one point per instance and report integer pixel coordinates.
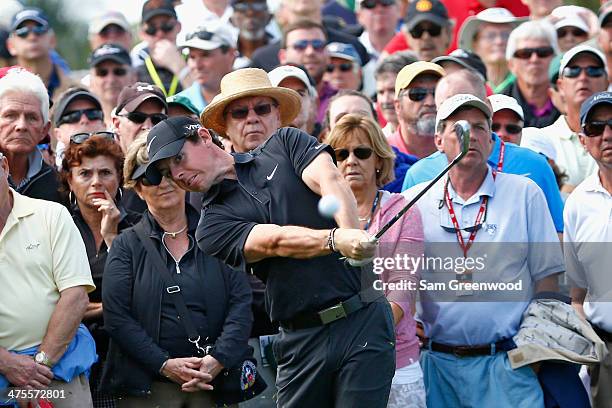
(260, 215)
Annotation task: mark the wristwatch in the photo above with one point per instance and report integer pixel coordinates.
(42, 358)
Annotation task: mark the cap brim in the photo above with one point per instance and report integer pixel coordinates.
(480, 105)
(434, 18)
(150, 170)
(134, 104)
(38, 20)
(342, 56)
(109, 57)
(450, 58)
(101, 25)
(471, 26)
(201, 44)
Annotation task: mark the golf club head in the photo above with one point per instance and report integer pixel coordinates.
(462, 130)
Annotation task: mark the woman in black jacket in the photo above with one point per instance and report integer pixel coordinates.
(150, 355)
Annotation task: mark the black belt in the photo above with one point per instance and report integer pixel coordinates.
(326, 316)
(471, 351)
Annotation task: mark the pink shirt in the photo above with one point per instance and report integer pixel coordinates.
(404, 237)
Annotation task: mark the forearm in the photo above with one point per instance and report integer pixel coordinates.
(547, 284)
(268, 240)
(5, 356)
(64, 322)
(578, 295)
(346, 216)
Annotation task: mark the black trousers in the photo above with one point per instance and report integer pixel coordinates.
(347, 363)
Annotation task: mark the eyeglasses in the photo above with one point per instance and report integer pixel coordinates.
(79, 138)
(75, 115)
(591, 72)
(38, 30)
(102, 72)
(575, 32)
(510, 128)
(541, 52)
(260, 110)
(370, 4)
(596, 127)
(418, 94)
(491, 36)
(362, 153)
(256, 7)
(343, 67)
(301, 45)
(202, 35)
(141, 117)
(433, 31)
(165, 27)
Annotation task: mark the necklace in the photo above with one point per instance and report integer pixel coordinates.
(174, 234)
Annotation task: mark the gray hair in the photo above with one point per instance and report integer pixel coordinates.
(533, 30)
(464, 81)
(395, 62)
(22, 81)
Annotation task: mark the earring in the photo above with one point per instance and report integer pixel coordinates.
(377, 171)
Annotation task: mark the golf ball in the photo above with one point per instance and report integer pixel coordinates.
(328, 206)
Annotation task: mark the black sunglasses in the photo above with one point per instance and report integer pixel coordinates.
(301, 45)
(591, 71)
(343, 67)
(576, 32)
(362, 153)
(510, 128)
(102, 72)
(75, 115)
(260, 110)
(202, 35)
(244, 7)
(141, 117)
(596, 127)
(165, 27)
(419, 94)
(370, 4)
(433, 31)
(79, 138)
(541, 52)
(38, 30)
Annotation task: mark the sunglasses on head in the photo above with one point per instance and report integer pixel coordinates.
(260, 110)
(38, 30)
(370, 4)
(343, 67)
(575, 32)
(510, 128)
(141, 117)
(202, 35)
(419, 94)
(541, 52)
(591, 71)
(433, 31)
(165, 27)
(102, 72)
(362, 153)
(75, 115)
(301, 45)
(244, 7)
(79, 138)
(596, 127)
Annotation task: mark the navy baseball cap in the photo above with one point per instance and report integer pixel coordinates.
(594, 100)
(166, 139)
(153, 8)
(110, 52)
(29, 14)
(466, 59)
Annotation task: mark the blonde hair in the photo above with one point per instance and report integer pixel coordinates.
(136, 156)
(353, 124)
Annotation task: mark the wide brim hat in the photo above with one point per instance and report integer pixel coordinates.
(247, 82)
(494, 15)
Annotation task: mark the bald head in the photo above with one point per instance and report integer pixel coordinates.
(460, 82)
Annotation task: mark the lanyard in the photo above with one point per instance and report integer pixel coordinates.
(374, 204)
(155, 76)
(465, 247)
(502, 153)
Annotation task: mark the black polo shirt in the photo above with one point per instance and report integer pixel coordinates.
(270, 190)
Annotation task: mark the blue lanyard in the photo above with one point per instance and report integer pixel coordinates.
(374, 204)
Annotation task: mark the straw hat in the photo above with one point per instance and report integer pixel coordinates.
(249, 82)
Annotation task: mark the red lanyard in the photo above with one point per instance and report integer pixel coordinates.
(502, 152)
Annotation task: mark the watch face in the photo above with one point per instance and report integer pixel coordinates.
(39, 357)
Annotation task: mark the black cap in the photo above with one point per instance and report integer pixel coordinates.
(70, 96)
(466, 59)
(110, 52)
(29, 14)
(153, 8)
(426, 10)
(166, 139)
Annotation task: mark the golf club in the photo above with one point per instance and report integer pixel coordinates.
(462, 131)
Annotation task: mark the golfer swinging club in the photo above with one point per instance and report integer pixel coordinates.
(336, 344)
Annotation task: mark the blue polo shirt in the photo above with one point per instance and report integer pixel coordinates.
(517, 160)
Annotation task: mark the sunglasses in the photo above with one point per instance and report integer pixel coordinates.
(510, 128)
(301, 45)
(202, 35)
(370, 4)
(79, 138)
(362, 153)
(260, 110)
(75, 115)
(433, 31)
(596, 127)
(419, 94)
(591, 72)
(165, 27)
(38, 30)
(102, 72)
(541, 52)
(343, 67)
(141, 117)
(244, 7)
(575, 32)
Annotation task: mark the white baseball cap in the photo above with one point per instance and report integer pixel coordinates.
(568, 56)
(453, 103)
(500, 102)
(572, 21)
(279, 74)
(210, 38)
(539, 143)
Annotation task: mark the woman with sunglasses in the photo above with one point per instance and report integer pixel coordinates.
(366, 161)
(152, 360)
(91, 172)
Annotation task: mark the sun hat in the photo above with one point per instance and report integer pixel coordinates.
(494, 15)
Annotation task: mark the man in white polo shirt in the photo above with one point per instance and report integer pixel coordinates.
(587, 236)
(466, 216)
